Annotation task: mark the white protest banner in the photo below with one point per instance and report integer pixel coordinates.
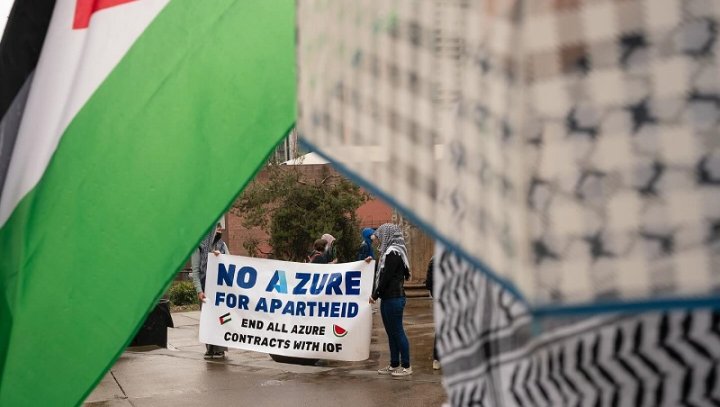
(291, 309)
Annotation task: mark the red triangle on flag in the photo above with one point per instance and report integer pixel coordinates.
(84, 9)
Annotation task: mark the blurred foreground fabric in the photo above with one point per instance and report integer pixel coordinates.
(494, 354)
(568, 149)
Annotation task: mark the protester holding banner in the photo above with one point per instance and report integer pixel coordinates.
(212, 242)
(366, 249)
(393, 269)
(330, 252)
(318, 255)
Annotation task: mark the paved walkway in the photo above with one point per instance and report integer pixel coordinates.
(179, 376)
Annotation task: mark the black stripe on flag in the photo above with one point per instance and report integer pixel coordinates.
(19, 53)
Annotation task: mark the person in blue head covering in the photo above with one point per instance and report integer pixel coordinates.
(366, 249)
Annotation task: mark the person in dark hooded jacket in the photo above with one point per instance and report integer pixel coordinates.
(429, 285)
(366, 249)
(318, 255)
(212, 243)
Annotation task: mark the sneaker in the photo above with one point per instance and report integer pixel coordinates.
(208, 355)
(406, 371)
(220, 354)
(388, 370)
(436, 364)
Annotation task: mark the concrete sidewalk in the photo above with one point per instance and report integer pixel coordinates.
(179, 376)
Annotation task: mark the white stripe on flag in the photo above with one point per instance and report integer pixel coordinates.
(72, 66)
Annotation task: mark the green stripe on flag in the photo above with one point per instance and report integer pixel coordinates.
(145, 168)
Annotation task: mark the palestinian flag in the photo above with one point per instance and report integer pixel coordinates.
(119, 147)
(224, 319)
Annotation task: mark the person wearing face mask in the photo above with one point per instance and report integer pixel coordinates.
(212, 243)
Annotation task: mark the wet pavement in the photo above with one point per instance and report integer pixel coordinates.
(179, 376)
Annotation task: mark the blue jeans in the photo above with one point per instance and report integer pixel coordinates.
(391, 310)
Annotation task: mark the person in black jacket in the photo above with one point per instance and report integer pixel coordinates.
(429, 286)
(393, 270)
(318, 256)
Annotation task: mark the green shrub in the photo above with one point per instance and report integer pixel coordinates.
(182, 293)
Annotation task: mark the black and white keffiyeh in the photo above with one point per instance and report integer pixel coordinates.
(211, 242)
(391, 240)
(204, 247)
(569, 146)
(494, 353)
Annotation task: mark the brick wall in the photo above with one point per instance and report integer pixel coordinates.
(374, 213)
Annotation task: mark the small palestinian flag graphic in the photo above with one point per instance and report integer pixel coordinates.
(339, 331)
(224, 319)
